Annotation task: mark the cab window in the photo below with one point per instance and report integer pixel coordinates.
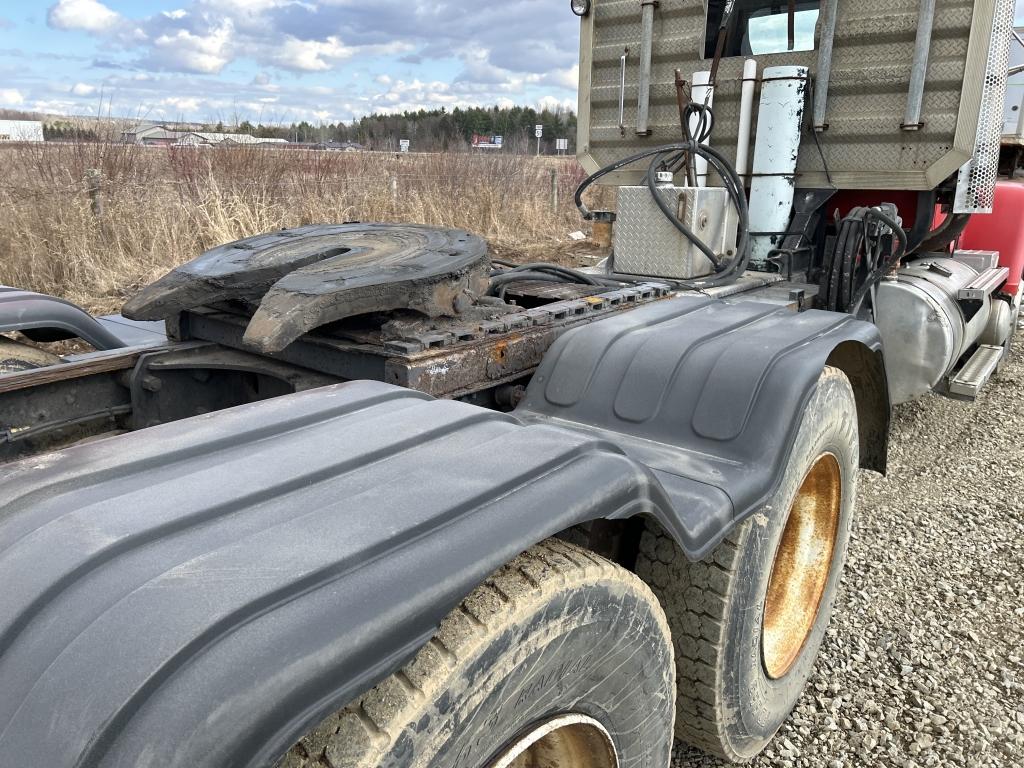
(759, 27)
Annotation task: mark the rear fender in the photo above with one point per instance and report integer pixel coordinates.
(708, 395)
(47, 318)
(202, 593)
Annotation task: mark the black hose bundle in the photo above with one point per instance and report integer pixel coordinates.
(858, 262)
(884, 268)
(945, 233)
(670, 156)
(547, 272)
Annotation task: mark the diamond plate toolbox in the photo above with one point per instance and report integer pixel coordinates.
(646, 242)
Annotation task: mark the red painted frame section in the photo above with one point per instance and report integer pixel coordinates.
(1002, 230)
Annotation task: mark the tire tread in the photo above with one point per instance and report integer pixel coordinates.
(697, 629)
(361, 734)
(696, 596)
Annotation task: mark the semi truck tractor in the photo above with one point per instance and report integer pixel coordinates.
(360, 494)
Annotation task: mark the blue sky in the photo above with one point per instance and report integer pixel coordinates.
(283, 60)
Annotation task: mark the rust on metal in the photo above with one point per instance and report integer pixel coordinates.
(801, 568)
(602, 234)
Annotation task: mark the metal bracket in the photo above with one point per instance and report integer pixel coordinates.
(622, 91)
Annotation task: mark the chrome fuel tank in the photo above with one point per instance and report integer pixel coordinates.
(924, 330)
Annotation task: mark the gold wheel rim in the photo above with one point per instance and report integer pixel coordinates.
(566, 741)
(803, 563)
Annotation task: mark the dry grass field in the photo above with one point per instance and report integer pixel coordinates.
(163, 206)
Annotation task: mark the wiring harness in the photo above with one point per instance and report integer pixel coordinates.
(553, 273)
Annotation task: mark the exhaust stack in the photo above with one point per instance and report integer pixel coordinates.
(776, 151)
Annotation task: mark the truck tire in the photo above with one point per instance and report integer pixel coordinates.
(748, 620)
(557, 657)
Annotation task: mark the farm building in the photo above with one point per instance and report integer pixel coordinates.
(21, 130)
(328, 146)
(159, 135)
(151, 135)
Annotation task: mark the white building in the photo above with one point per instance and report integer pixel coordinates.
(21, 130)
(203, 137)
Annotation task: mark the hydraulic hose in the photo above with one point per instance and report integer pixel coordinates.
(883, 269)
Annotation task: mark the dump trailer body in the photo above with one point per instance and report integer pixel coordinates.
(863, 78)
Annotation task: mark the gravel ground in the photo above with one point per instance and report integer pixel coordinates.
(922, 665)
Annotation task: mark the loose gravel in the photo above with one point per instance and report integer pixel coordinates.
(922, 665)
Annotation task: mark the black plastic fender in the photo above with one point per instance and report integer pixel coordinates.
(48, 318)
(708, 394)
(200, 594)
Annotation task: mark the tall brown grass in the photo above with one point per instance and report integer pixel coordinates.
(164, 206)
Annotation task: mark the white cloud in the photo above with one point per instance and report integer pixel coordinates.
(11, 97)
(324, 55)
(564, 78)
(552, 103)
(88, 15)
(182, 50)
(83, 89)
(311, 55)
(181, 104)
(61, 107)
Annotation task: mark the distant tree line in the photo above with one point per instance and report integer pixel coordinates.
(434, 130)
(437, 130)
(61, 130)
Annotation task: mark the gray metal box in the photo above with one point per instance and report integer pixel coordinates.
(646, 242)
(979, 261)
